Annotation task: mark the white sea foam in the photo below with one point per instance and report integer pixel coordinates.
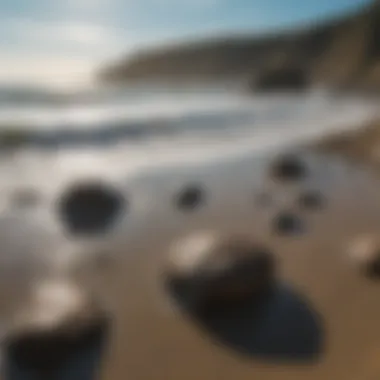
(188, 126)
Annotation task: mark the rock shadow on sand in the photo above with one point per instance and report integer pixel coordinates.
(282, 328)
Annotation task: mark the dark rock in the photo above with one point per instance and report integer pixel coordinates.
(190, 198)
(90, 208)
(45, 353)
(288, 168)
(365, 254)
(287, 224)
(372, 269)
(228, 273)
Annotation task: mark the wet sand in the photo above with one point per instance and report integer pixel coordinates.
(323, 322)
(359, 146)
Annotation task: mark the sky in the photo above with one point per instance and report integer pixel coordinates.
(61, 42)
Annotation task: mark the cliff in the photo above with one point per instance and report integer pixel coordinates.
(343, 52)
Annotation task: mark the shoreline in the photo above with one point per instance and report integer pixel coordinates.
(361, 145)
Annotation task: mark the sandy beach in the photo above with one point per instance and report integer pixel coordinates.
(322, 322)
(361, 146)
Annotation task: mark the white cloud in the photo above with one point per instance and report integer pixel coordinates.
(66, 49)
(57, 71)
(86, 34)
(64, 33)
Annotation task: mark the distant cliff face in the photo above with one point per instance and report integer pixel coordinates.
(344, 53)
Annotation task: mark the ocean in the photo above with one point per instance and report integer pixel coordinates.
(100, 118)
(117, 130)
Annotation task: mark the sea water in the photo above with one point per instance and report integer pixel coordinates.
(118, 131)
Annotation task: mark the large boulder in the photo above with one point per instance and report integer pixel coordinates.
(208, 273)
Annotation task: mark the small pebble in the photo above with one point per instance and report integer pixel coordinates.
(287, 223)
(288, 168)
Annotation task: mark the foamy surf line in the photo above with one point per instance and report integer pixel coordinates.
(124, 157)
(266, 137)
(128, 156)
(165, 117)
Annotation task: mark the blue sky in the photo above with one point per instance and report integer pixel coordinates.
(61, 41)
